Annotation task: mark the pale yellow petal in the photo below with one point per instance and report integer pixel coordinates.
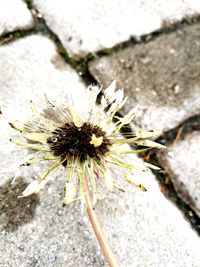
(109, 182)
(96, 141)
(70, 193)
(110, 91)
(90, 170)
(29, 145)
(145, 134)
(33, 187)
(150, 143)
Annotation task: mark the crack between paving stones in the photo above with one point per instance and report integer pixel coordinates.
(170, 193)
(40, 27)
(81, 65)
(188, 126)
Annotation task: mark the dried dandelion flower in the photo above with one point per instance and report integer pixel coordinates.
(86, 142)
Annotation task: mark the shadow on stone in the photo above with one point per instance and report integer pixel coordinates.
(14, 211)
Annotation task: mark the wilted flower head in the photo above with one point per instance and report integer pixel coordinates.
(87, 142)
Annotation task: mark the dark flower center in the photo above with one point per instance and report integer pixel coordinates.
(70, 141)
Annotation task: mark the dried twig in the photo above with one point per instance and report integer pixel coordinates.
(178, 136)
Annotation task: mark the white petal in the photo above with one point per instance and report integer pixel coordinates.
(33, 187)
(70, 193)
(108, 180)
(119, 95)
(110, 90)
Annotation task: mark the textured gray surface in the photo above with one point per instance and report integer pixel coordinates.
(14, 15)
(163, 76)
(89, 26)
(182, 162)
(31, 67)
(144, 229)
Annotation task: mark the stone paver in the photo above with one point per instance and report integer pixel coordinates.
(182, 162)
(145, 229)
(88, 26)
(29, 68)
(163, 76)
(14, 15)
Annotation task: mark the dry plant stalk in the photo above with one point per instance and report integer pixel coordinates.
(103, 242)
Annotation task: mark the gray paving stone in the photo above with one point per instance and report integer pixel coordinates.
(182, 163)
(88, 26)
(163, 76)
(31, 67)
(144, 229)
(14, 15)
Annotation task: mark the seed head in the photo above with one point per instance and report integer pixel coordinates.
(87, 143)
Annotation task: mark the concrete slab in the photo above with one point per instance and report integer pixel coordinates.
(144, 229)
(88, 26)
(31, 67)
(163, 76)
(14, 15)
(182, 163)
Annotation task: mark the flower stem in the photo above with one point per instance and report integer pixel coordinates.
(97, 227)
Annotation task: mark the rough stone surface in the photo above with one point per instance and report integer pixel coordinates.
(163, 76)
(88, 26)
(14, 15)
(144, 229)
(182, 162)
(30, 68)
